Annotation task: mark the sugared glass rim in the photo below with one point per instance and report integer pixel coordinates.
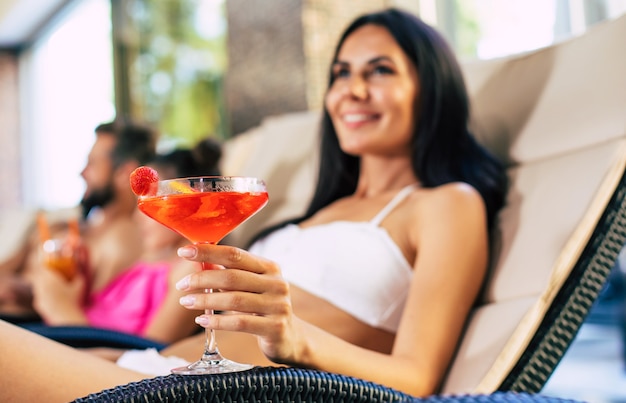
(251, 184)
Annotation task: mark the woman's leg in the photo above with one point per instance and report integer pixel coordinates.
(34, 368)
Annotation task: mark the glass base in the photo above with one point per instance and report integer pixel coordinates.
(211, 364)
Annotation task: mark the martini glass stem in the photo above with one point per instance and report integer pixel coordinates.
(211, 353)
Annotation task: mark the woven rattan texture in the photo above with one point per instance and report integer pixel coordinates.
(261, 384)
(265, 384)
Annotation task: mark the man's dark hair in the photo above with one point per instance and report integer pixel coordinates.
(134, 141)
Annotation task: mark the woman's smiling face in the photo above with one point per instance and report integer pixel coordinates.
(371, 100)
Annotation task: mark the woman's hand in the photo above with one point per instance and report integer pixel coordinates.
(253, 294)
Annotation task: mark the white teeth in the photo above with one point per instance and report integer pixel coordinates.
(357, 117)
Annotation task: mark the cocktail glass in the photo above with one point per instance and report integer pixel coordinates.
(204, 210)
(62, 253)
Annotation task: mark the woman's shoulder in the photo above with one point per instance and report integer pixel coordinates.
(447, 200)
(444, 213)
(454, 192)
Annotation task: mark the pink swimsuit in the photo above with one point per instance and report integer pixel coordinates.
(130, 301)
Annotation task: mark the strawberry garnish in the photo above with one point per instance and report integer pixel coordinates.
(143, 181)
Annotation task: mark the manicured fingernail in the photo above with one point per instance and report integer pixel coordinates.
(202, 320)
(183, 284)
(187, 252)
(187, 300)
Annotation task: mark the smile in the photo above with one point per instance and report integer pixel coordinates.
(358, 117)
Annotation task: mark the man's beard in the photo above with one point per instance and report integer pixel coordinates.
(98, 198)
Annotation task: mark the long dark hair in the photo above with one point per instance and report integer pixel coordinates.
(442, 148)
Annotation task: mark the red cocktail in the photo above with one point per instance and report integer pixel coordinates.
(203, 217)
(205, 210)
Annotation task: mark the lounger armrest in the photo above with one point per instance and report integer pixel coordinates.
(86, 337)
(269, 384)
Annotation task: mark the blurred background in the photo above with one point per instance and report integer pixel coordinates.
(196, 68)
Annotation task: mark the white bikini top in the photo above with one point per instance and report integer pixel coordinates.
(356, 266)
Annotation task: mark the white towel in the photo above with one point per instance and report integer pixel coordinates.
(149, 362)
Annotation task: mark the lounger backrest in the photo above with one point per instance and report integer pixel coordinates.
(283, 150)
(557, 117)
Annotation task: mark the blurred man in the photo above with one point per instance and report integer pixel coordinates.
(107, 207)
(108, 202)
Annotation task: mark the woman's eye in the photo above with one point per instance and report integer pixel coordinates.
(382, 70)
(341, 73)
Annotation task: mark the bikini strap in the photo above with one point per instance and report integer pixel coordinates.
(401, 195)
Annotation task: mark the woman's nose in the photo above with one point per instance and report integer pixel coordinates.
(358, 88)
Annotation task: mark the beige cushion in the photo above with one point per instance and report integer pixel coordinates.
(561, 98)
(545, 206)
(553, 207)
(557, 116)
(283, 151)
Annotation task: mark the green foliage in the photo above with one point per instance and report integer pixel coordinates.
(176, 66)
(467, 30)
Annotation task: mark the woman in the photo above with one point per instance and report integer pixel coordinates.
(367, 275)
